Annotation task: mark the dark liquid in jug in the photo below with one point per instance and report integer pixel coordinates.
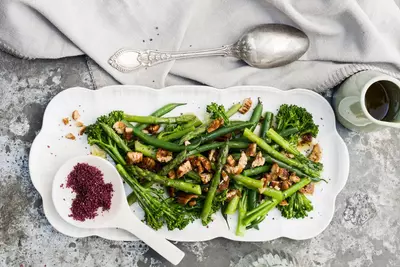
(377, 101)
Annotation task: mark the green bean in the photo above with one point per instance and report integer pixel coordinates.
(257, 170)
(159, 120)
(176, 135)
(205, 213)
(255, 117)
(223, 131)
(145, 150)
(267, 123)
(252, 197)
(194, 176)
(232, 110)
(232, 205)
(281, 164)
(160, 112)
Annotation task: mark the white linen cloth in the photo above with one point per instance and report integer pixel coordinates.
(346, 36)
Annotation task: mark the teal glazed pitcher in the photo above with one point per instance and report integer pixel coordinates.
(368, 101)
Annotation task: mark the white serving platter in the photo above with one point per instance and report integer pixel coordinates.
(51, 149)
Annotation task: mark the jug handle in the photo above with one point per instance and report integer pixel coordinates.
(346, 110)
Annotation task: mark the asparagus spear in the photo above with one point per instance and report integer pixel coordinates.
(160, 112)
(159, 120)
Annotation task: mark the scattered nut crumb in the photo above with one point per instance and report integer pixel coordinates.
(70, 136)
(79, 124)
(75, 115)
(65, 121)
(82, 130)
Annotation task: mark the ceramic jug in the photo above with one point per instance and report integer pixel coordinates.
(352, 102)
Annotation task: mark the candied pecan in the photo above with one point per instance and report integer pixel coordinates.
(184, 198)
(308, 189)
(205, 162)
(192, 203)
(183, 169)
(274, 184)
(119, 127)
(70, 136)
(258, 161)
(153, 128)
(246, 105)
(215, 124)
(251, 150)
(134, 157)
(163, 155)
(224, 184)
(316, 153)
(242, 163)
(75, 115)
(274, 171)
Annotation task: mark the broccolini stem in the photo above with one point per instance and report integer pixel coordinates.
(248, 182)
(271, 133)
(232, 110)
(241, 225)
(145, 150)
(115, 137)
(256, 171)
(232, 205)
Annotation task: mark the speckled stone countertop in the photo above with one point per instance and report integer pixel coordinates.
(365, 230)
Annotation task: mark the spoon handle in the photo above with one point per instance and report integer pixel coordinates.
(126, 60)
(154, 240)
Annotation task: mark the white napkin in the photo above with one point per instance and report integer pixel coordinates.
(346, 36)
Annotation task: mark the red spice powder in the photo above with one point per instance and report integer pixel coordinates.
(91, 192)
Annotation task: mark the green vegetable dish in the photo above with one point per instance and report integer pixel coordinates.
(182, 168)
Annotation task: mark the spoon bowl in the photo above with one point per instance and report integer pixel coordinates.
(118, 216)
(264, 46)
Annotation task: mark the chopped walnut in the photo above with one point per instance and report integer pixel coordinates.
(184, 198)
(183, 169)
(75, 115)
(274, 184)
(79, 124)
(186, 143)
(171, 191)
(246, 105)
(277, 188)
(274, 171)
(171, 174)
(82, 130)
(285, 185)
(231, 161)
(251, 150)
(148, 163)
(284, 203)
(316, 153)
(163, 155)
(215, 124)
(198, 166)
(231, 194)
(308, 189)
(224, 184)
(240, 167)
(134, 157)
(205, 177)
(119, 127)
(294, 178)
(192, 203)
(128, 134)
(153, 128)
(258, 161)
(205, 162)
(65, 121)
(283, 174)
(212, 155)
(70, 136)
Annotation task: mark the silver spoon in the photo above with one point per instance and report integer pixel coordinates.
(265, 46)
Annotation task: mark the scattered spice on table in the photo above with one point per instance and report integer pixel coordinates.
(91, 191)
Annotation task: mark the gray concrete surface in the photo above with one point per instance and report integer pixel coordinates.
(365, 230)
